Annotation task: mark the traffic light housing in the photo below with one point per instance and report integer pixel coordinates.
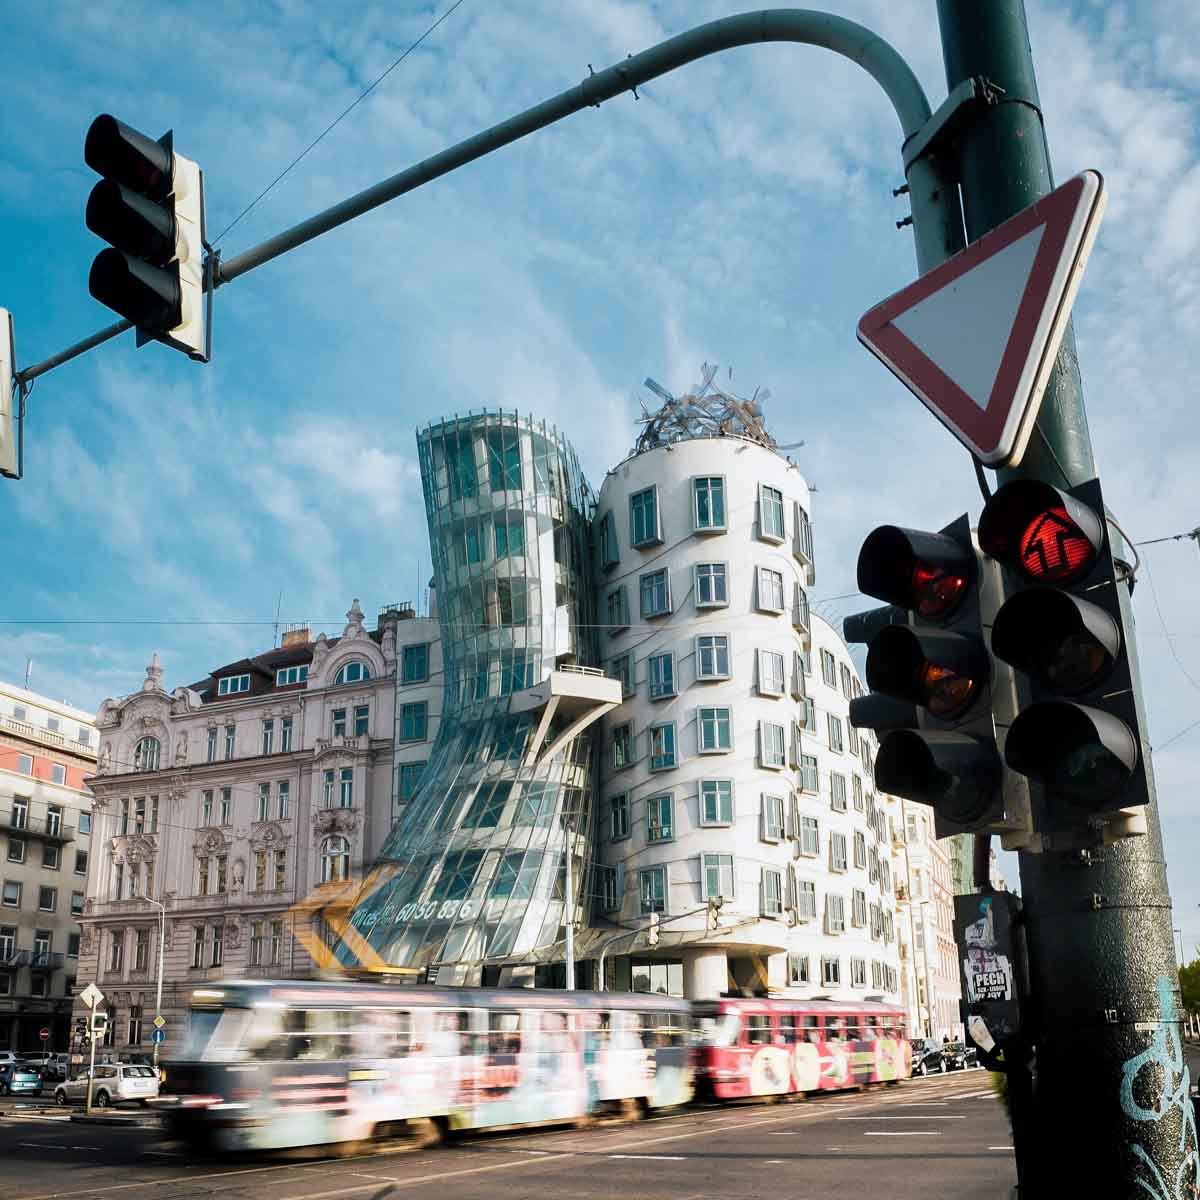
(98, 1025)
(149, 206)
(934, 686)
(1063, 628)
(10, 400)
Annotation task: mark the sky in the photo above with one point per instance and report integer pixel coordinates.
(739, 212)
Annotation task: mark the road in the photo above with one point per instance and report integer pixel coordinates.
(944, 1138)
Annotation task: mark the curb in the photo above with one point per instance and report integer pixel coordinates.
(84, 1119)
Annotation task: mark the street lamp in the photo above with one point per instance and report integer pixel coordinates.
(162, 930)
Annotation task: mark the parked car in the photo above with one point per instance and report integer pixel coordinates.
(955, 1054)
(929, 1059)
(52, 1066)
(114, 1083)
(18, 1078)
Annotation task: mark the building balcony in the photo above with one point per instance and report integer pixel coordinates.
(47, 960)
(45, 829)
(46, 737)
(578, 695)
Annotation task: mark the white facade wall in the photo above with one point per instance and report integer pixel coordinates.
(761, 945)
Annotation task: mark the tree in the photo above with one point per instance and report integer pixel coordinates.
(1189, 985)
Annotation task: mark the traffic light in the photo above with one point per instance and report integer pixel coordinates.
(80, 1031)
(99, 1024)
(1063, 627)
(933, 682)
(149, 207)
(9, 399)
(652, 930)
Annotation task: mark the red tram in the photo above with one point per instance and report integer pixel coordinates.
(764, 1047)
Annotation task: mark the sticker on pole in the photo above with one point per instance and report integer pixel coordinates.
(975, 339)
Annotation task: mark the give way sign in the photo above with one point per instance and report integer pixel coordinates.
(975, 338)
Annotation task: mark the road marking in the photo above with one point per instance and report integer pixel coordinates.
(929, 1117)
(902, 1133)
(999, 1147)
(773, 1162)
(653, 1157)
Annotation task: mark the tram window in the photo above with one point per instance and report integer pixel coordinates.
(450, 1039)
(812, 1029)
(654, 1029)
(787, 1026)
(758, 1029)
(853, 1030)
(399, 1043)
(504, 1033)
(553, 1037)
(834, 1027)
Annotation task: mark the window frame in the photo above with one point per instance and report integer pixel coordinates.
(714, 649)
(661, 690)
(707, 481)
(763, 761)
(645, 874)
(766, 604)
(653, 536)
(654, 766)
(716, 721)
(609, 547)
(765, 534)
(407, 655)
(647, 579)
(233, 685)
(719, 797)
(772, 817)
(834, 722)
(706, 892)
(658, 804)
(762, 656)
(715, 570)
(618, 804)
(771, 903)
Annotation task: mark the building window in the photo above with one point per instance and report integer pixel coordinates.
(504, 460)
(857, 788)
(803, 540)
(260, 870)
(116, 949)
(806, 900)
(828, 668)
(622, 746)
(346, 788)
(714, 730)
(198, 946)
(76, 904)
(81, 862)
(662, 746)
(276, 942)
(858, 972)
(652, 890)
(362, 719)
(808, 715)
(770, 513)
(51, 857)
(772, 818)
(835, 913)
(414, 722)
(660, 814)
(335, 860)
(837, 791)
(655, 593)
(285, 735)
(222, 874)
(610, 553)
(858, 908)
(831, 972)
(256, 943)
(268, 737)
(280, 869)
(860, 848)
(712, 656)
(414, 667)
(146, 754)
(616, 608)
(622, 668)
(809, 779)
(216, 956)
(118, 881)
(264, 802)
(327, 791)
(660, 675)
(11, 896)
(644, 528)
(16, 850)
(338, 722)
(230, 736)
(716, 802)
(287, 676)
(141, 949)
(847, 682)
(835, 733)
(231, 685)
(837, 851)
(610, 896)
(708, 503)
(772, 893)
(852, 737)
(47, 899)
(618, 816)
(226, 805)
(58, 773)
(206, 808)
(717, 877)
(810, 836)
(771, 750)
(770, 673)
(72, 946)
(410, 778)
(353, 672)
(770, 590)
(85, 822)
(712, 585)
(798, 969)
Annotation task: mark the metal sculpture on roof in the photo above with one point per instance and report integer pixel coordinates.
(707, 411)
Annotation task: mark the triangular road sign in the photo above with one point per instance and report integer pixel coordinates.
(975, 338)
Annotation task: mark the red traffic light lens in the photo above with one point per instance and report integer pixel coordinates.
(936, 591)
(943, 691)
(1054, 549)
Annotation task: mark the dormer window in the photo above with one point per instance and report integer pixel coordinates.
(232, 684)
(353, 672)
(286, 676)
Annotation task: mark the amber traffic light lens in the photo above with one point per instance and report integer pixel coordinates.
(1054, 549)
(944, 692)
(936, 592)
(1076, 662)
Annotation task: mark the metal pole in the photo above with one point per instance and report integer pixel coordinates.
(937, 219)
(162, 932)
(87, 1108)
(570, 910)
(1111, 1110)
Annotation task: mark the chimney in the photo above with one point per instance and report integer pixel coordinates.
(296, 635)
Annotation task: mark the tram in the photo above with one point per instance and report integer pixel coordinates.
(276, 1065)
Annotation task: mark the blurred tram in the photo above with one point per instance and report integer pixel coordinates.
(275, 1065)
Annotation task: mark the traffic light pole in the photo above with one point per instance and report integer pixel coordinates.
(1111, 1112)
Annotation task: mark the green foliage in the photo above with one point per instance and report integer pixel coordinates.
(1189, 985)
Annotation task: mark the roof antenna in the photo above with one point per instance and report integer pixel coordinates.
(275, 629)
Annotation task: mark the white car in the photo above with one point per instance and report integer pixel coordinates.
(114, 1083)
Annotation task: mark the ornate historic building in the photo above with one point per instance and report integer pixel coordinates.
(220, 805)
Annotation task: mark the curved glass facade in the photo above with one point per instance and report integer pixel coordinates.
(475, 867)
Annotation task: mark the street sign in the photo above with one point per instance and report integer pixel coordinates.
(975, 339)
(158, 1036)
(159, 1022)
(44, 1034)
(91, 995)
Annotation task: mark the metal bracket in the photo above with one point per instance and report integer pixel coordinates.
(949, 116)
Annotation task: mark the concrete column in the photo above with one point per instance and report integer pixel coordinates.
(705, 974)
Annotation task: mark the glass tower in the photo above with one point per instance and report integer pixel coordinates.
(474, 872)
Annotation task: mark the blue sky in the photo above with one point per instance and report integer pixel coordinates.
(740, 212)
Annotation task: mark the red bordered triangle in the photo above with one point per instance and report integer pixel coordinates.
(975, 338)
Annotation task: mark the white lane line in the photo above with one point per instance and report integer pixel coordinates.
(927, 1117)
(999, 1147)
(901, 1133)
(773, 1162)
(378, 1178)
(653, 1157)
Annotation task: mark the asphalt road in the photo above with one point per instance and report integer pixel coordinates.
(944, 1138)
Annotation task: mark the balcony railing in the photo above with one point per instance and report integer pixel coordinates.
(47, 829)
(47, 737)
(45, 960)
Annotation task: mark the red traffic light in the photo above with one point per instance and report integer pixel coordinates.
(928, 573)
(936, 591)
(1045, 534)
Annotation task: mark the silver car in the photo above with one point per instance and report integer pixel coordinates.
(113, 1083)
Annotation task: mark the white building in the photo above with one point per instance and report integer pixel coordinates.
(731, 774)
